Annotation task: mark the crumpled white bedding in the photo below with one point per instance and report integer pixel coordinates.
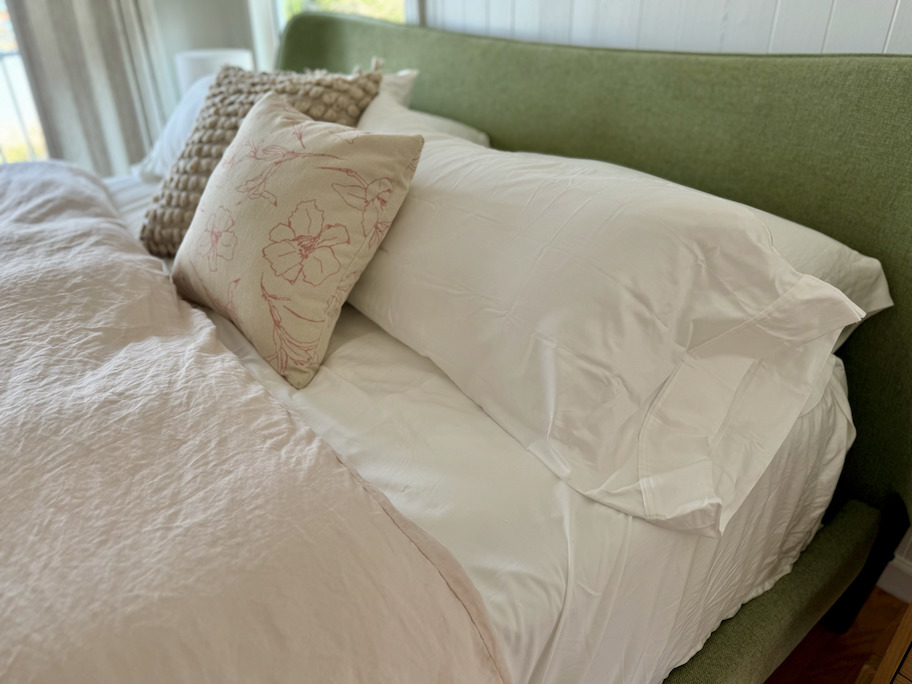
(131, 196)
(577, 591)
(163, 518)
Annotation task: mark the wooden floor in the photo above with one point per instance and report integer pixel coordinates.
(824, 656)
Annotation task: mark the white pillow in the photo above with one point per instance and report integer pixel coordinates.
(860, 277)
(174, 135)
(385, 115)
(642, 339)
(399, 85)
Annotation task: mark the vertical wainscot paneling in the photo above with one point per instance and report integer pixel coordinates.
(526, 18)
(755, 26)
(475, 17)
(899, 40)
(747, 25)
(500, 18)
(660, 24)
(584, 22)
(701, 26)
(800, 26)
(618, 23)
(432, 12)
(859, 26)
(452, 15)
(555, 20)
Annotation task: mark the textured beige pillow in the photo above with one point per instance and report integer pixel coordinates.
(322, 96)
(289, 219)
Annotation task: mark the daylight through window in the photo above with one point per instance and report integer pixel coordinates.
(21, 137)
(389, 10)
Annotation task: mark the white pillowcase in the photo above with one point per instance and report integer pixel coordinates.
(642, 339)
(385, 115)
(399, 85)
(860, 277)
(174, 135)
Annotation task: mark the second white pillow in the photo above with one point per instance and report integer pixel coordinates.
(385, 115)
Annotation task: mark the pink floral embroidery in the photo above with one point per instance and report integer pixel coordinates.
(226, 307)
(229, 307)
(335, 302)
(303, 246)
(349, 135)
(275, 155)
(229, 159)
(413, 165)
(218, 240)
(370, 198)
(278, 105)
(289, 350)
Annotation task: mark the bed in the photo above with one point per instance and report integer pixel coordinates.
(560, 587)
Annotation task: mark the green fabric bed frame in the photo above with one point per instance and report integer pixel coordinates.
(823, 140)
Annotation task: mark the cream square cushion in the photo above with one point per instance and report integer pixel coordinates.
(288, 220)
(322, 96)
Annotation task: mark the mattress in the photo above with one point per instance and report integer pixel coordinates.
(577, 591)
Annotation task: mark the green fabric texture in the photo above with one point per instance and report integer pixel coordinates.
(822, 140)
(751, 645)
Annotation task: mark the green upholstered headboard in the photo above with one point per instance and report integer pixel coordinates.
(823, 140)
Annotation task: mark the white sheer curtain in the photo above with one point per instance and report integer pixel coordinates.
(99, 75)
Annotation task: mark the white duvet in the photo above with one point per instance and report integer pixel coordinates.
(162, 517)
(577, 591)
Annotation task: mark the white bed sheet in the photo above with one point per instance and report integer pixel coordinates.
(131, 196)
(577, 591)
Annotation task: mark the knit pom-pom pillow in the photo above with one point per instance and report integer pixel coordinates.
(322, 96)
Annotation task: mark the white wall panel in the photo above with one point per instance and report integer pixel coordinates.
(500, 18)
(584, 21)
(555, 21)
(899, 40)
(701, 26)
(801, 26)
(859, 26)
(433, 13)
(475, 16)
(798, 26)
(452, 15)
(618, 23)
(526, 18)
(660, 23)
(747, 25)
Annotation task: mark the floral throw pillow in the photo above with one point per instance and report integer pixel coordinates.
(320, 95)
(288, 221)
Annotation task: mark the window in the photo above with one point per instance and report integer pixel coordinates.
(21, 137)
(389, 10)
